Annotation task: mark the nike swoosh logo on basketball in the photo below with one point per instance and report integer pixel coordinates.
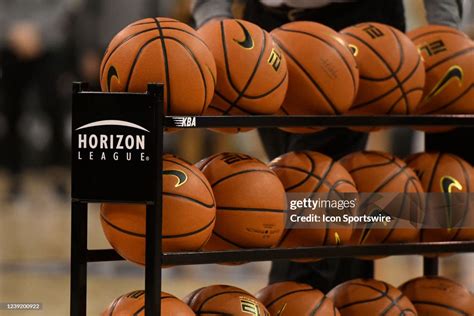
(247, 42)
(354, 49)
(447, 183)
(180, 175)
(455, 72)
(110, 74)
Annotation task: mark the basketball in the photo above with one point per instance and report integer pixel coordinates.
(225, 300)
(370, 297)
(189, 213)
(166, 51)
(449, 211)
(438, 296)
(291, 298)
(448, 55)
(251, 202)
(251, 68)
(323, 73)
(315, 176)
(392, 75)
(133, 303)
(381, 177)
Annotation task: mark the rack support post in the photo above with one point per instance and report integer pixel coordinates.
(78, 265)
(430, 266)
(78, 293)
(154, 215)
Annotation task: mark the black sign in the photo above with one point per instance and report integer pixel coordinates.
(114, 145)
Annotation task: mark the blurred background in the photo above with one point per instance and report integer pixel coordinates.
(34, 151)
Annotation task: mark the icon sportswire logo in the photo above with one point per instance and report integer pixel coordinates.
(184, 121)
(108, 145)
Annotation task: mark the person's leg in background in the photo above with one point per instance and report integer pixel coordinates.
(48, 75)
(16, 75)
(333, 142)
(455, 142)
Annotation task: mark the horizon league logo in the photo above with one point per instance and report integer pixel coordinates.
(110, 146)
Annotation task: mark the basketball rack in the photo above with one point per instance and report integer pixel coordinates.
(133, 175)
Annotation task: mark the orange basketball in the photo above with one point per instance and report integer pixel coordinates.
(133, 303)
(251, 70)
(323, 73)
(392, 75)
(166, 51)
(370, 297)
(438, 296)
(189, 213)
(225, 300)
(309, 174)
(250, 199)
(380, 178)
(449, 211)
(448, 55)
(291, 298)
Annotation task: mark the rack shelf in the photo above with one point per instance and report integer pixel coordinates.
(193, 258)
(319, 120)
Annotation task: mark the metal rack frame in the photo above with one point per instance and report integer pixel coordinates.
(81, 255)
